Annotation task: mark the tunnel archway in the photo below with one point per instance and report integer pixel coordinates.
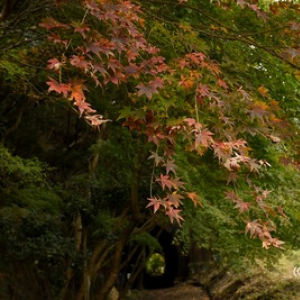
(170, 253)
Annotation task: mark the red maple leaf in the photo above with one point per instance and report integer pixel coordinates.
(158, 159)
(195, 198)
(193, 58)
(186, 83)
(161, 68)
(99, 67)
(55, 64)
(174, 214)
(200, 55)
(174, 199)
(231, 195)
(147, 90)
(183, 63)
(82, 29)
(263, 195)
(263, 91)
(190, 121)
(116, 78)
(242, 206)
(156, 203)
(132, 54)
(232, 164)
(221, 150)
(157, 83)
(214, 68)
(203, 90)
(280, 210)
(132, 70)
(266, 243)
(80, 62)
(165, 181)
(243, 92)
(50, 23)
(239, 144)
(177, 184)
(277, 243)
(170, 166)
(96, 120)
(96, 48)
(153, 50)
(204, 138)
(232, 177)
(223, 84)
(254, 166)
(84, 107)
(259, 110)
(113, 64)
(77, 89)
(57, 39)
(61, 88)
(254, 227)
(241, 3)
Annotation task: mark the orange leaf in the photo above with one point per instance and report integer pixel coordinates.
(58, 87)
(263, 91)
(77, 89)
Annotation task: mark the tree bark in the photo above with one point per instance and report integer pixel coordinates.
(138, 268)
(116, 263)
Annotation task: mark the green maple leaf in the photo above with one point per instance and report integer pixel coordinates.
(125, 113)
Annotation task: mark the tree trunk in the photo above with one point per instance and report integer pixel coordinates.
(86, 276)
(138, 268)
(85, 287)
(116, 263)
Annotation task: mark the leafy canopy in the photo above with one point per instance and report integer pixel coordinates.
(190, 96)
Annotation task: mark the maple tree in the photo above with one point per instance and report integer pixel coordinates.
(189, 116)
(195, 73)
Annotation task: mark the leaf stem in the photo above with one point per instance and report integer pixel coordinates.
(152, 175)
(196, 104)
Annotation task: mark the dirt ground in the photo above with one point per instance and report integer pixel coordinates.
(280, 282)
(180, 292)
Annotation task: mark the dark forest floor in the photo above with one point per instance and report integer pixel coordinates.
(180, 292)
(277, 283)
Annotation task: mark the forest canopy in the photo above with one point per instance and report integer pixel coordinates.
(121, 117)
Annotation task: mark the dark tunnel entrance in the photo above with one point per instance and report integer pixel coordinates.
(170, 253)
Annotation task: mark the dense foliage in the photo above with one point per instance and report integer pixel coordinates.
(120, 117)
